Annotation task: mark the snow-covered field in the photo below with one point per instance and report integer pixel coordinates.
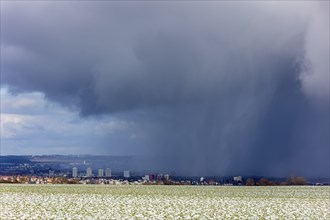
(163, 202)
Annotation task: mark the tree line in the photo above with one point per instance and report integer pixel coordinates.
(293, 180)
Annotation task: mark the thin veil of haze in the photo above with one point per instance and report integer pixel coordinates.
(209, 88)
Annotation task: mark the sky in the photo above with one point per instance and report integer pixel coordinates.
(214, 87)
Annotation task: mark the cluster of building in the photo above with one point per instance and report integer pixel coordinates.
(158, 177)
(150, 179)
(106, 173)
(100, 173)
(32, 179)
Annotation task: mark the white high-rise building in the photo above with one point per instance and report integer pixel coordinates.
(100, 173)
(237, 178)
(126, 174)
(89, 172)
(108, 172)
(146, 178)
(51, 173)
(74, 172)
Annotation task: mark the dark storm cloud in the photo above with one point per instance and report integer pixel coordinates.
(220, 83)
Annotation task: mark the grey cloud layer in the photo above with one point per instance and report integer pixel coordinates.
(220, 82)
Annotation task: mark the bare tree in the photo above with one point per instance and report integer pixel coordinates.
(250, 182)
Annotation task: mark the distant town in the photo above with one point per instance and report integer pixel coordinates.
(88, 169)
